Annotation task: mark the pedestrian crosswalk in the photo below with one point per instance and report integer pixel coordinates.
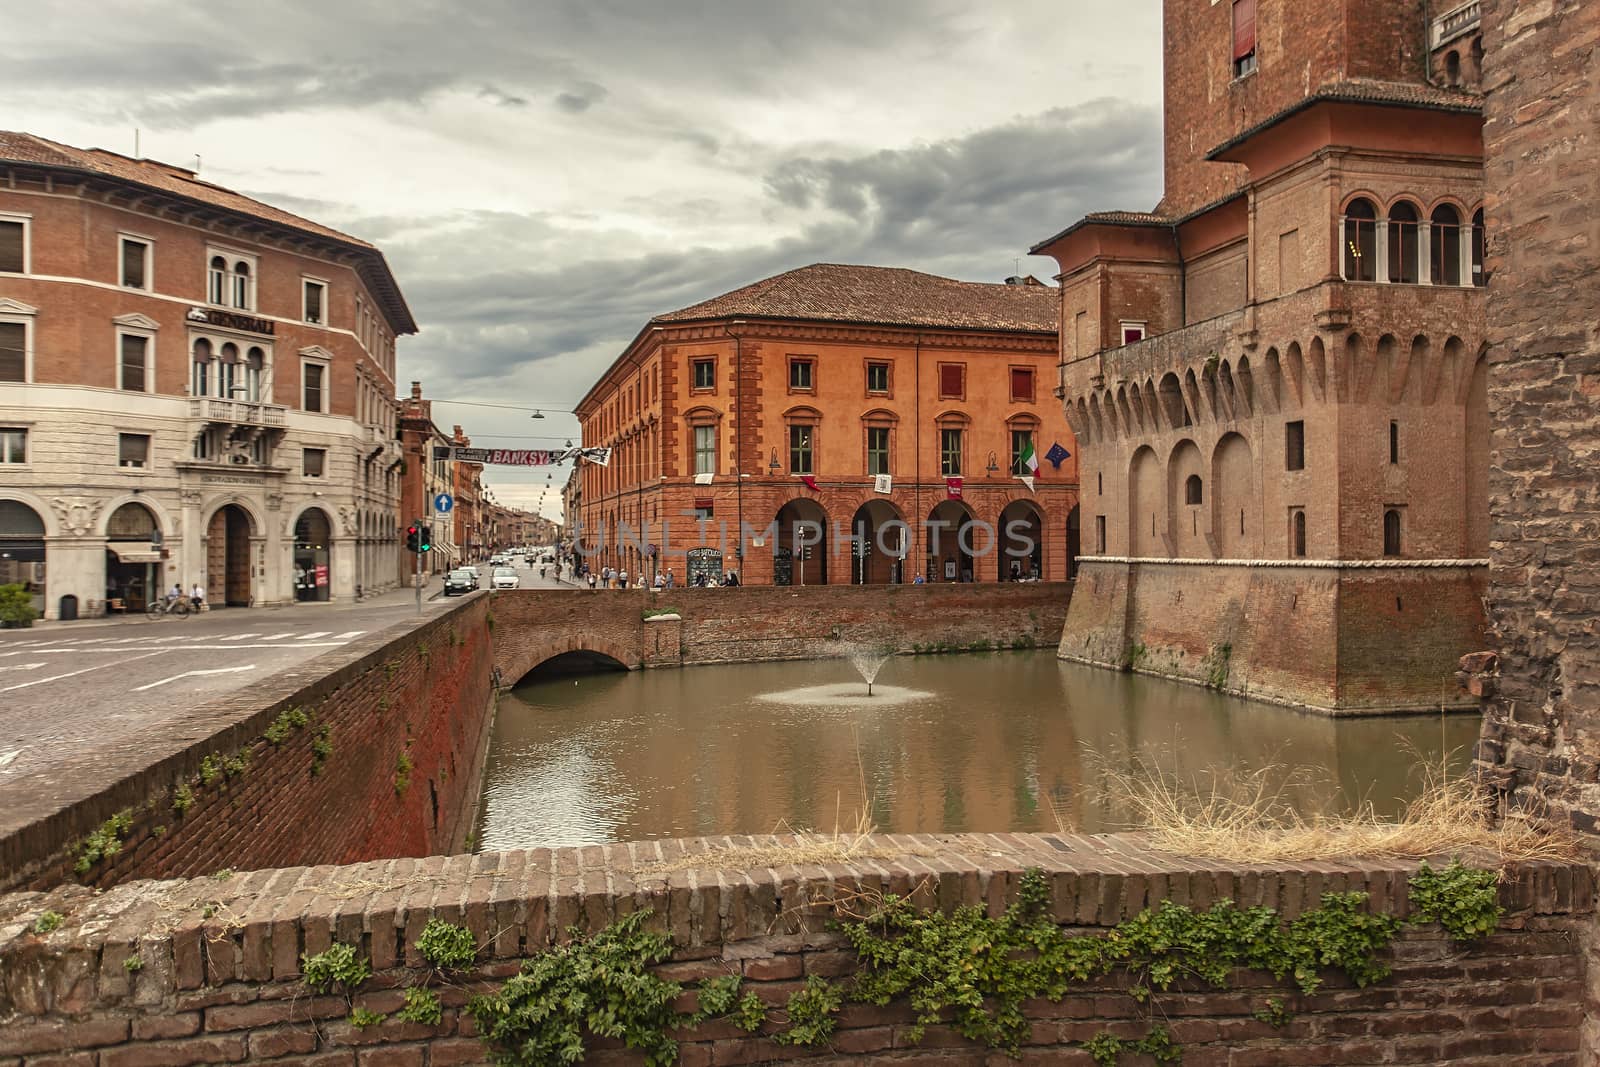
(46, 645)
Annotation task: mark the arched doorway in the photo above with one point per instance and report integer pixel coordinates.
(1021, 541)
(879, 540)
(22, 549)
(228, 558)
(313, 556)
(133, 557)
(800, 554)
(952, 541)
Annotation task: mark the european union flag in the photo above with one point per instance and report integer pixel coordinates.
(1056, 454)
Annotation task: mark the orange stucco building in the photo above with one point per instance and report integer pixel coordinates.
(854, 424)
(1277, 376)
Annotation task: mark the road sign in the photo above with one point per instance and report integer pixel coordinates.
(443, 503)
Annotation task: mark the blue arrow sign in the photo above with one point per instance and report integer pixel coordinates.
(443, 503)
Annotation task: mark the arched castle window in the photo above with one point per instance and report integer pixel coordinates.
(1192, 490)
(1361, 241)
(1452, 69)
(1391, 532)
(1404, 248)
(1297, 533)
(1446, 245)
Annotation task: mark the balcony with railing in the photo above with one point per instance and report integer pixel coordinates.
(237, 412)
(1457, 22)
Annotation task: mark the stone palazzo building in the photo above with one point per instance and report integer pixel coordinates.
(1277, 377)
(838, 424)
(195, 388)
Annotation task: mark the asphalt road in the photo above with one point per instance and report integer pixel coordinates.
(90, 686)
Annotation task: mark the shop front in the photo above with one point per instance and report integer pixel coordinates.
(134, 558)
(22, 550)
(313, 557)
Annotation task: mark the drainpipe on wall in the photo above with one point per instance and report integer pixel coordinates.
(738, 445)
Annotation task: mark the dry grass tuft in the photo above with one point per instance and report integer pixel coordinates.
(1241, 817)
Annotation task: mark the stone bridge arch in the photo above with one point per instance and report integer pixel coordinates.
(517, 663)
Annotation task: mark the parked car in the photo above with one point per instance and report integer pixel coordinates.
(459, 581)
(505, 578)
(476, 578)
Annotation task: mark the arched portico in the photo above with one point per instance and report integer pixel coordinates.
(952, 542)
(800, 553)
(879, 540)
(1020, 537)
(313, 555)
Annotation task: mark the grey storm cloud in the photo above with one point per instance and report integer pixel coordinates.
(966, 207)
(580, 97)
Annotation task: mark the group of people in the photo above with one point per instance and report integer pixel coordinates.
(618, 578)
(197, 596)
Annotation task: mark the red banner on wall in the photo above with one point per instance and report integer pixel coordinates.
(952, 488)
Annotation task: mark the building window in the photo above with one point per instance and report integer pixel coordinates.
(1132, 332)
(1394, 443)
(1244, 37)
(878, 450)
(315, 295)
(228, 370)
(241, 285)
(705, 374)
(13, 445)
(1192, 490)
(1022, 385)
(1477, 248)
(1361, 242)
(1391, 532)
(13, 351)
(952, 381)
(1297, 533)
(133, 450)
(312, 461)
(877, 377)
(133, 364)
(13, 245)
(254, 368)
(217, 280)
(1405, 250)
(950, 453)
(1021, 441)
(800, 376)
(800, 450)
(313, 378)
(135, 263)
(1446, 245)
(705, 450)
(1099, 484)
(1100, 535)
(1294, 446)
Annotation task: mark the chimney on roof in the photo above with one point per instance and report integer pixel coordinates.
(1019, 279)
(416, 390)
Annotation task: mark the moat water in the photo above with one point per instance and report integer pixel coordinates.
(986, 741)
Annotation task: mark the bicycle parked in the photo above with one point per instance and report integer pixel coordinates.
(180, 606)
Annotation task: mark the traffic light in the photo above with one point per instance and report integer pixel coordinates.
(413, 537)
(425, 539)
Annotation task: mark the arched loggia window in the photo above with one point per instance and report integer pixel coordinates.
(217, 280)
(1405, 250)
(1446, 245)
(1361, 241)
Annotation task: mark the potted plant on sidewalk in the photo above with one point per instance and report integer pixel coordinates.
(16, 607)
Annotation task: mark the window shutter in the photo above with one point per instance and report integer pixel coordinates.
(1021, 384)
(1244, 28)
(13, 358)
(950, 380)
(133, 350)
(11, 246)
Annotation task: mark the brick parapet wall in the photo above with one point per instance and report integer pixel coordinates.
(420, 690)
(1363, 637)
(765, 623)
(220, 974)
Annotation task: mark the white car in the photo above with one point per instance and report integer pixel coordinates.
(505, 578)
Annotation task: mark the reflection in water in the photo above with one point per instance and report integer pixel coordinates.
(997, 741)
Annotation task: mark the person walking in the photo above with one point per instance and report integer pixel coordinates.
(622, 578)
(671, 582)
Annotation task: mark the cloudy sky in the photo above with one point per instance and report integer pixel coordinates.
(544, 176)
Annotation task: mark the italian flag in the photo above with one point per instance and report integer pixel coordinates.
(1029, 464)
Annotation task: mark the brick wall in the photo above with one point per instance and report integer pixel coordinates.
(220, 974)
(1543, 79)
(1347, 639)
(418, 691)
(755, 623)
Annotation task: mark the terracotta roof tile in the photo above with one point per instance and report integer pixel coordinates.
(883, 296)
(16, 147)
(1367, 91)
